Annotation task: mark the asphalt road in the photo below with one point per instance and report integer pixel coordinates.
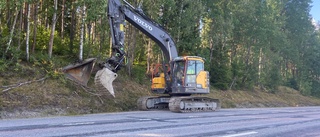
(258, 122)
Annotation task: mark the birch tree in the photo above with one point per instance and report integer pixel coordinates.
(28, 32)
(11, 33)
(53, 27)
(82, 32)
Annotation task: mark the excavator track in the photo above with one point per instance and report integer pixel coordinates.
(178, 104)
(153, 103)
(193, 104)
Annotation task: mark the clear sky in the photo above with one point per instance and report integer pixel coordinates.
(315, 10)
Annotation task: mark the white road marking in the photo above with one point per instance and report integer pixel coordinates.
(194, 116)
(151, 135)
(78, 123)
(241, 134)
(145, 119)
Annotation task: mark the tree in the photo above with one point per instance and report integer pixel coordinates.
(28, 32)
(53, 25)
(299, 30)
(72, 26)
(11, 33)
(35, 20)
(62, 18)
(83, 14)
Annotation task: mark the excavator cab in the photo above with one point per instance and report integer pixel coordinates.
(188, 77)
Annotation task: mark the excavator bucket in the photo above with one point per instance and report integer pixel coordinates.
(80, 72)
(103, 80)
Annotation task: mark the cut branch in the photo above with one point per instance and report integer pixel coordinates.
(9, 87)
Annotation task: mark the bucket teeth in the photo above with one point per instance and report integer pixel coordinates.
(103, 80)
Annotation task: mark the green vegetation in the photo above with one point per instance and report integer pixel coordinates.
(247, 45)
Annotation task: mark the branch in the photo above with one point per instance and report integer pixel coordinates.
(86, 89)
(9, 87)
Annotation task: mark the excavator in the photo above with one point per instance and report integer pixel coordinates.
(181, 82)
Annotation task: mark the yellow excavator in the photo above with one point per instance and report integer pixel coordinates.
(182, 77)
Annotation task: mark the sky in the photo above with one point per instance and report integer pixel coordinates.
(315, 10)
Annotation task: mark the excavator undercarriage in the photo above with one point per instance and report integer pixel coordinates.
(180, 104)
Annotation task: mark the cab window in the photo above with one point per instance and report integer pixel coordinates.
(191, 70)
(194, 67)
(199, 66)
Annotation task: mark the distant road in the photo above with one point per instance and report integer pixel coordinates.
(258, 122)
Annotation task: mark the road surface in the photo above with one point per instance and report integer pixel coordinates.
(255, 122)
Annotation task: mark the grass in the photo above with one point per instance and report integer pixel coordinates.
(285, 97)
(57, 96)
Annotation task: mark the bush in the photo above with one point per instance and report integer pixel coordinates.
(42, 41)
(138, 73)
(292, 83)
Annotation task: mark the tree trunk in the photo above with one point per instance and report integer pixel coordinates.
(102, 35)
(41, 9)
(46, 20)
(72, 27)
(89, 28)
(25, 17)
(149, 55)
(211, 51)
(53, 27)
(94, 32)
(130, 50)
(62, 19)
(28, 33)
(0, 25)
(260, 65)
(35, 20)
(11, 34)
(20, 26)
(8, 14)
(247, 58)
(82, 32)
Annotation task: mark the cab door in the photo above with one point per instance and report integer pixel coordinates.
(179, 73)
(196, 79)
(191, 74)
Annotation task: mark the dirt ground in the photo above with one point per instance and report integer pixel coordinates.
(60, 97)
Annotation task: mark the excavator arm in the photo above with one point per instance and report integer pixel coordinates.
(117, 14)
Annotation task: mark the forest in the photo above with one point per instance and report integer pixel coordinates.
(246, 43)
